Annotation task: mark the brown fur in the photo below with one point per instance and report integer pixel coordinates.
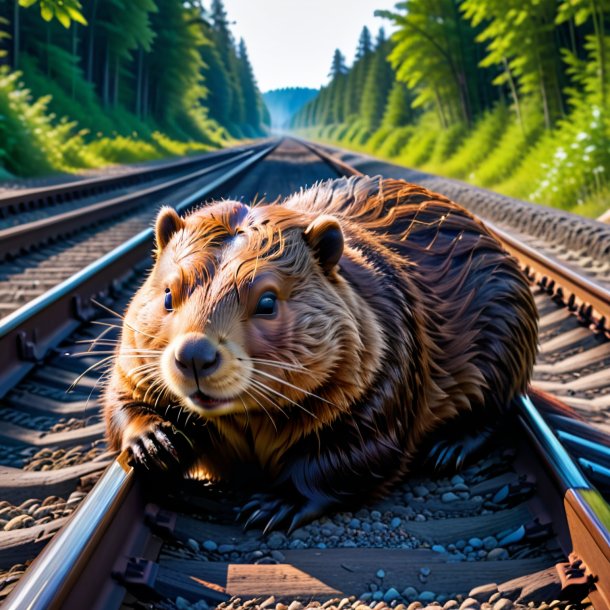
(424, 319)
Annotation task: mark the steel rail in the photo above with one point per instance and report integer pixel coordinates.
(586, 511)
(47, 583)
(53, 574)
(37, 197)
(25, 236)
(28, 333)
(587, 292)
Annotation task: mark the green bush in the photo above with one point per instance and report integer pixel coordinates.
(478, 144)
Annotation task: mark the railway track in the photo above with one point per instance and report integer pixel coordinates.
(490, 537)
(47, 236)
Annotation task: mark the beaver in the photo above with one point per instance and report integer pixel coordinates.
(316, 346)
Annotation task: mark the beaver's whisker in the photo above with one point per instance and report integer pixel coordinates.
(296, 404)
(291, 385)
(127, 352)
(247, 414)
(98, 338)
(105, 374)
(270, 400)
(289, 366)
(91, 368)
(125, 323)
(258, 402)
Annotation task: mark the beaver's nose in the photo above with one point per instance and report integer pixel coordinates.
(197, 356)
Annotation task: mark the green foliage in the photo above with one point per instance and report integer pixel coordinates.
(396, 141)
(445, 145)
(510, 149)
(65, 11)
(144, 79)
(478, 144)
(508, 94)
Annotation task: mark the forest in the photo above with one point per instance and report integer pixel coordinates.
(511, 95)
(112, 81)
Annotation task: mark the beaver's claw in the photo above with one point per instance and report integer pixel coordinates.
(160, 448)
(274, 512)
(451, 453)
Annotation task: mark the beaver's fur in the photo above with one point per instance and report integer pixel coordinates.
(398, 315)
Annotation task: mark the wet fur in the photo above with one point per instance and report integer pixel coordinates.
(424, 322)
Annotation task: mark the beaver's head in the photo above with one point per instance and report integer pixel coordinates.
(246, 311)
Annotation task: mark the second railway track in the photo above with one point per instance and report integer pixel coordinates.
(502, 525)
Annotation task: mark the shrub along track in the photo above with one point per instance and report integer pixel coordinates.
(501, 523)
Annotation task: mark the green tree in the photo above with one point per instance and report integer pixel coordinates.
(522, 42)
(377, 86)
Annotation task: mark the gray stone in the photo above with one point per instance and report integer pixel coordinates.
(300, 534)
(410, 593)
(439, 548)
(278, 556)
(425, 571)
(497, 554)
(427, 596)
(380, 574)
(378, 596)
(421, 491)
(348, 544)
(395, 523)
(489, 543)
(210, 545)
(193, 545)
(226, 548)
(475, 543)
(276, 540)
(390, 595)
(182, 604)
(355, 523)
(449, 496)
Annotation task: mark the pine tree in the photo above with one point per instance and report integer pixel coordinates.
(398, 111)
(377, 86)
(252, 99)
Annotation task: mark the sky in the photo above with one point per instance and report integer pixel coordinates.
(291, 42)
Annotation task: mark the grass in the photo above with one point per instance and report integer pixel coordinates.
(58, 133)
(567, 167)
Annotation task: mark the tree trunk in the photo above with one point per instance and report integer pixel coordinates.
(75, 56)
(16, 27)
(91, 31)
(106, 83)
(514, 93)
(116, 81)
(598, 25)
(139, 85)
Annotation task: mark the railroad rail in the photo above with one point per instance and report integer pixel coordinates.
(525, 509)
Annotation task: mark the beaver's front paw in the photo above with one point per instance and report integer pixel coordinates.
(161, 448)
(273, 512)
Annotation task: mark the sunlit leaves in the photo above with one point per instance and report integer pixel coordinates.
(65, 11)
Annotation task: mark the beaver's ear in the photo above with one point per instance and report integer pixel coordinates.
(325, 238)
(167, 223)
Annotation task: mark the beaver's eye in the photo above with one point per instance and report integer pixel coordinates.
(266, 305)
(168, 300)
